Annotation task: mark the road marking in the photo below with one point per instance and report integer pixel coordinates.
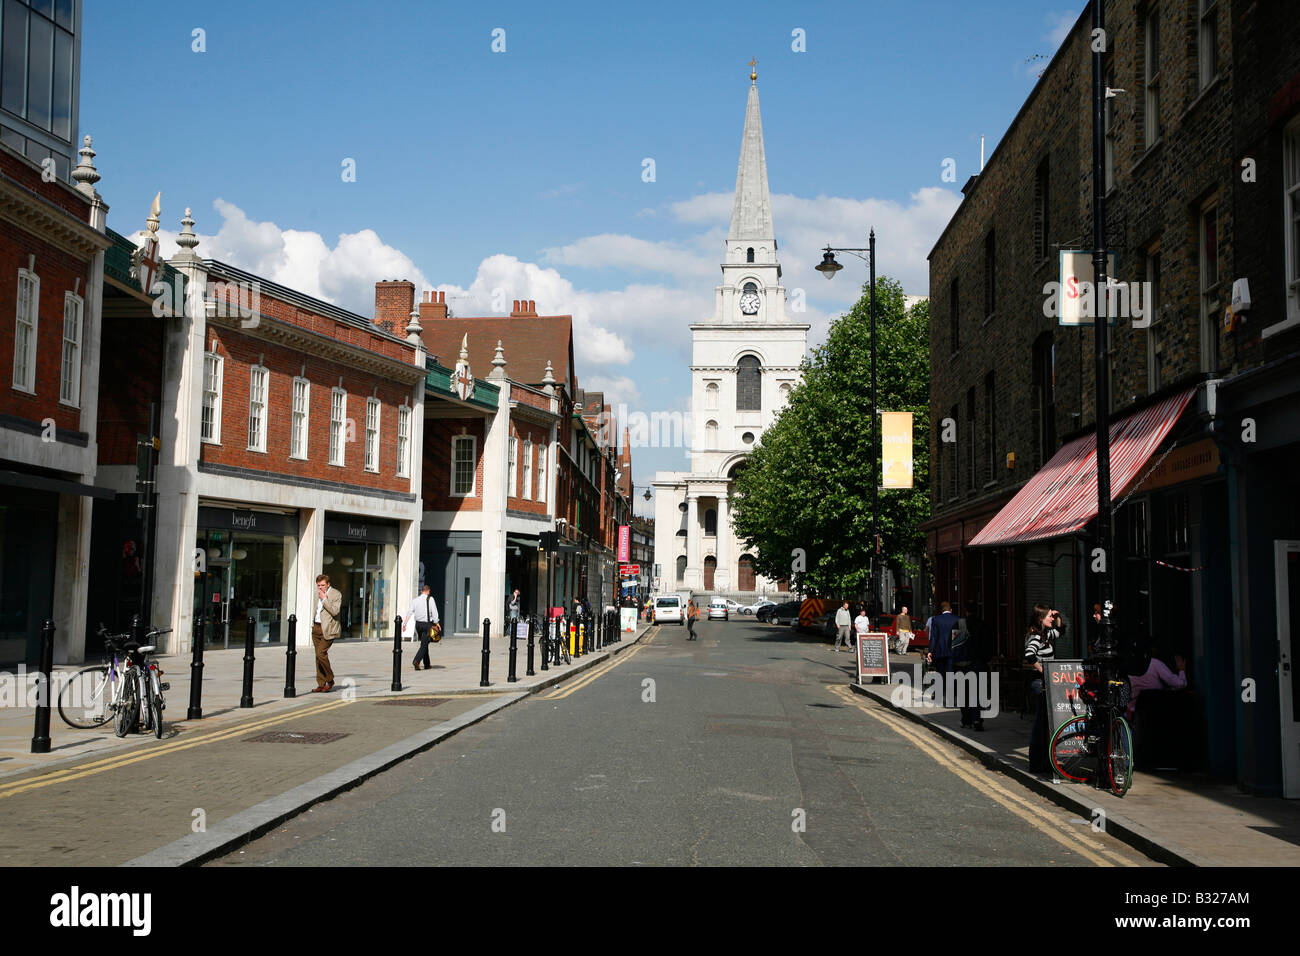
(599, 671)
(1035, 816)
(123, 760)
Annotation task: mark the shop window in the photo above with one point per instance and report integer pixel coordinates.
(257, 382)
(338, 427)
(210, 423)
(463, 456)
(29, 295)
(372, 434)
(1177, 523)
(70, 375)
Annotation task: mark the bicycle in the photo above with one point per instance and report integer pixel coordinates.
(92, 695)
(557, 641)
(143, 701)
(1097, 745)
(121, 690)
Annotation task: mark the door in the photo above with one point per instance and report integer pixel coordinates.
(465, 587)
(1287, 569)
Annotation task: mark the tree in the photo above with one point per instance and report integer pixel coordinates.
(807, 484)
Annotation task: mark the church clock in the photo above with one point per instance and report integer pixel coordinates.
(749, 299)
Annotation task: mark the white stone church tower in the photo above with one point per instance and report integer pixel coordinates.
(744, 360)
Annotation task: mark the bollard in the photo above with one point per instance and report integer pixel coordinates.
(41, 733)
(572, 629)
(581, 625)
(246, 699)
(397, 654)
(487, 652)
(547, 630)
(291, 659)
(530, 672)
(513, 675)
(137, 629)
(196, 671)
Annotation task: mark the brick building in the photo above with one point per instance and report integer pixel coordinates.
(1203, 189)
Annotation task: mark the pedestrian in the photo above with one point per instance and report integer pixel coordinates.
(325, 631)
(939, 656)
(1040, 647)
(861, 624)
(424, 609)
(512, 606)
(903, 630)
(842, 623)
(970, 657)
(692, 613)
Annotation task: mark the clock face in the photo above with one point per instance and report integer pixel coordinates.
(749, 303)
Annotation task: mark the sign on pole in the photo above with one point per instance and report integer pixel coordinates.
(624, 542)
(896, 449)
(1079, 302)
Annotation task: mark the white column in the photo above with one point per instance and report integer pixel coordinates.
(71, 567)
(311, 551)
(694, 577)
(722, 574)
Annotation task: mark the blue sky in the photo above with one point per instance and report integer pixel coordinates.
(522, 170)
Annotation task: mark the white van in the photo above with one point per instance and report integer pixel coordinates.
(669, 609)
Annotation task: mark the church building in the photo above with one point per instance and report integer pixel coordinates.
(744, 361)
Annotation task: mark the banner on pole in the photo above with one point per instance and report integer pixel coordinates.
(896, 449)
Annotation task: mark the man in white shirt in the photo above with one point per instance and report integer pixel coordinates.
(325, 630)
(862, 623)
(425, 611)
(842, 623)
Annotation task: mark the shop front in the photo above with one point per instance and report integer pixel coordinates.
(29, 527)
(250, 557)
(361, 559)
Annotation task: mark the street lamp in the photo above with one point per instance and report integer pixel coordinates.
(828, 268)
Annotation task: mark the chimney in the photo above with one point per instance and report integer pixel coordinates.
(524, 307)
(394, 303)
(433, 306)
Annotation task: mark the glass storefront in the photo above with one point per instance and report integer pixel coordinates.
(29, 527)
(361, 560)
(250, 573)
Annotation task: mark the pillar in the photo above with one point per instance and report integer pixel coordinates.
(694, 578)
(722, 574)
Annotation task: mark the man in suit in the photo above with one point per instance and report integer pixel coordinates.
(939, 656)
(325, 631)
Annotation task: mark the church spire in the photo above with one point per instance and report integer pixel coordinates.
(751, 216)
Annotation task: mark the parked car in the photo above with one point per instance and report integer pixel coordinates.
(733, 607)
(787, 613)
(669, 610)
(757, 606)
(718, 609)
(887, 624)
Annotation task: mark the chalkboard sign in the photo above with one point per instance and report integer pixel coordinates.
(873, 656)
(1061, 682)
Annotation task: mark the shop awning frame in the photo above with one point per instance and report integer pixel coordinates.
(1062, 498)
(18, 479)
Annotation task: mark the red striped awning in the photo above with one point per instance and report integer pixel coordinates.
(1062, 497)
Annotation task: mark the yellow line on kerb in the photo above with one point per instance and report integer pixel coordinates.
(136, 756)
(597, 672)
(1035, 816)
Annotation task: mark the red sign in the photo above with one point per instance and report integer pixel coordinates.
(624, 542)
(629, 570)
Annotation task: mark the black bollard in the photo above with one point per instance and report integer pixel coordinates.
(291, 659)
(546, 640)
(487, 652)
(196, 670)
(531, 621)
(397, 654)
(137, 629)
(513, 675)
(44, 690)
(247, 699)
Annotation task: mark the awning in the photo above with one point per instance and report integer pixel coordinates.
(1062, 497)
(59, 485)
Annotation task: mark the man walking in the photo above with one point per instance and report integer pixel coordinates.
(325, 631)
(861, 623)
(903, 628)
(425, 611)
(842, 623)
(940, 627)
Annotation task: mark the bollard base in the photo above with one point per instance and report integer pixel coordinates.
(40, 745)
(245, 702)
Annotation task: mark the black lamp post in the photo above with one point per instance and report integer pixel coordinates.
(828, 268)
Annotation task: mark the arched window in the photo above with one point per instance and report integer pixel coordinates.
(711, 396)
(681, 569)
(710, 565)
(711, 435)
(749, 394)
(749, 254)
(710, 523)
(745, 573)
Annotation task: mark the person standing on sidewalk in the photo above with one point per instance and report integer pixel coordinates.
(939, 656)
(425, 611)
(512, 607)
(903, 628)
(692, 613)
(1040, 647)
(325, 630)
(842, 624)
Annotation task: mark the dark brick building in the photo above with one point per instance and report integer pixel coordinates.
(1203, 191)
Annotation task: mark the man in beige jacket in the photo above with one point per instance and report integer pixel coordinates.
(325, 630)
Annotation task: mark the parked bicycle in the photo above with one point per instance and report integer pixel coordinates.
(127, 688)
(557, 641)
(1096, 745)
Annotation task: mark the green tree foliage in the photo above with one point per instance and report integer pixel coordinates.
(807, 484)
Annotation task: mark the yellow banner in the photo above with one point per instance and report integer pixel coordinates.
(896, 449)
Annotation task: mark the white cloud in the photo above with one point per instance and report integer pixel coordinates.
(618, 389)
(627, 252)
(1059, 25)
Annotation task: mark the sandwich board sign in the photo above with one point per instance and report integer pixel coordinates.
(873, 656)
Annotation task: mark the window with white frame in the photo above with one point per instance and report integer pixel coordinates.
(1291, 239)
(463, 454)
(528, 471)
(257, 379)
(210, 423)
(1207, 42)
(403, 440)
(512, 488)
(372, 434)
(338, 427)
(1110, 129)
(1151, 79)
(70, 374)
(29, 294)
(1209, 271)
(298, 418)
(542, 478)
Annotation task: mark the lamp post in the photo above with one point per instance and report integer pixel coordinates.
(828, 268)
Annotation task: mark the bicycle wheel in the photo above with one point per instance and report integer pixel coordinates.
(1119, 760)
(84, 699)
(128, 708)
(156, 706)
(1069, 751)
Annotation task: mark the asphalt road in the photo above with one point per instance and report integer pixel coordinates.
(741, 748)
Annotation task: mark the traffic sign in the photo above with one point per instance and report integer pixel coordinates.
(629, 570)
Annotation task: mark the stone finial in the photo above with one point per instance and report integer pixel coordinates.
(413, 329)
(85, 172)
(464, 348)
(548, 381)
(499, 360)
(187, 240)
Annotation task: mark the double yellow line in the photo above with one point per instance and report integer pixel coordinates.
(594, 674)
(1040, 819)
(122, 760)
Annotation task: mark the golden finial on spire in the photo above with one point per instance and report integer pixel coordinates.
(753, 70)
